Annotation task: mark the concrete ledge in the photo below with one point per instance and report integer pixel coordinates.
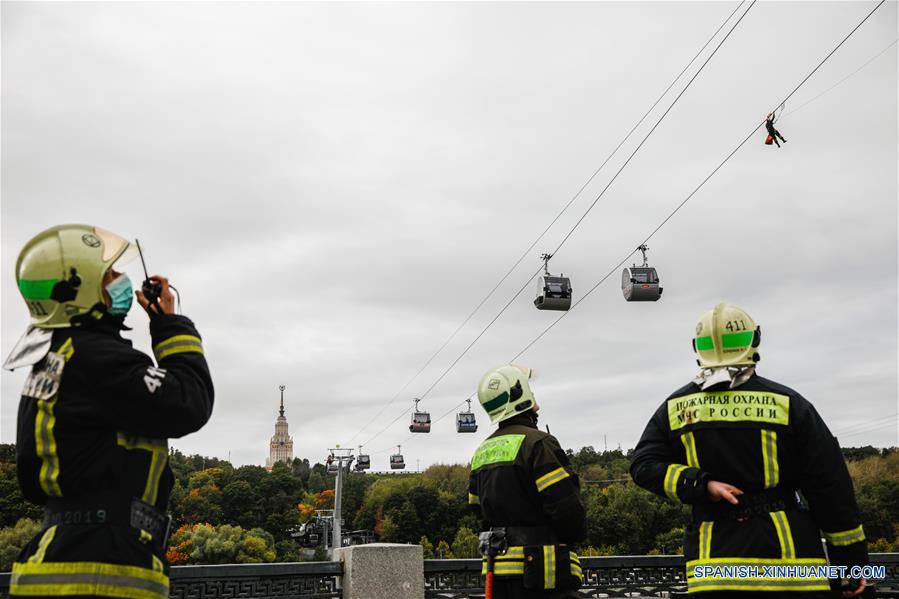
(382, 571)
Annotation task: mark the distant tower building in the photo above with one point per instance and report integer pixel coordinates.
(281, 446)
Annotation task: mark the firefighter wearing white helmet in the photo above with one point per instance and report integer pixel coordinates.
(523, 489)
(742, 450)
(94, 416)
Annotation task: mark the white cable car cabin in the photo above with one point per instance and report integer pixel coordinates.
(421, 421)
(553, 293)
(333, 465)
(641, 283)
(465, 421)
(396, 460)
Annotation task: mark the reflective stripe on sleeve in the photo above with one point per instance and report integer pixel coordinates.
(845, 537)
(473, 499)
(547, 480)
(689, 442)
(177, 345)
(56, 579)
(670, 483)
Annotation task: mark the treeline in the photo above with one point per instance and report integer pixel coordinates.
(224, 514)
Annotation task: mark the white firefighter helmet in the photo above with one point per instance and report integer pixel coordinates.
(505, 392)
(726, 336)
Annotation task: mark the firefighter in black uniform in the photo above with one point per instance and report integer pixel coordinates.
(764, 475)
(94, 417)
(522, 485)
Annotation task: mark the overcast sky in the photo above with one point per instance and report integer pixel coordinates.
(334, 187)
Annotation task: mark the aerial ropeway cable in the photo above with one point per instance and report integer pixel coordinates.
(681, 204)
(543, 233)
(583, 216)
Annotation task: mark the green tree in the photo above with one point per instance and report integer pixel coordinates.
(13, 505)
(443, 550)
(227, 544)
(240, 504)
(465, 545)
(14, 538)
(427, 548)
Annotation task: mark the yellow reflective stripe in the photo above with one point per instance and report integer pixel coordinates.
(705, 540)
(55, 579)
(769, 459)
(45, 439)
(670, 482)
(38, 556)
(845, 537)
(45, 446)
(784, 534)
(689, 442)
(157, 565)
(754, 561)
(577, 571)
(159, 457)
(769, 583)
(552, 478)
(549, 566)
(695, 585)
(66, 349)
(728, 406)
(178, 344)
(473, 499)
(145, 537)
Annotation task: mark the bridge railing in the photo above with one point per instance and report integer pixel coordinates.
(616, 576)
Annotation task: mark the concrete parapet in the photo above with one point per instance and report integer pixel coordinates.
(382, 571)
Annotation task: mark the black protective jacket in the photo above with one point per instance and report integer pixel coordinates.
(522, 481)
(770, 442)
(94, 419)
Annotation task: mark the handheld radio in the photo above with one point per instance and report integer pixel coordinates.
(151, 290)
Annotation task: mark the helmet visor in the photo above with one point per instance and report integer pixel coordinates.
(115, 247)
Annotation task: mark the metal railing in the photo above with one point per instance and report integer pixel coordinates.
(617, 576)
(302, 580)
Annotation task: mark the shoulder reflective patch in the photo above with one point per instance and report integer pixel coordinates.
(728, 406)
(497, 450)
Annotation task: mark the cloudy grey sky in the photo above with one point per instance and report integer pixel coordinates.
(334, 187)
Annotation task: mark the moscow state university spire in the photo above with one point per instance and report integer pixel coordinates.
(281, 446)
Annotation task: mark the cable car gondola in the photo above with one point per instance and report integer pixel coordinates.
(641, 283)
(363, 462)
(396, 460)
(421, 421)
(553, 293)
(465, 421)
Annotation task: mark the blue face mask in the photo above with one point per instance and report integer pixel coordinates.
(121, 293)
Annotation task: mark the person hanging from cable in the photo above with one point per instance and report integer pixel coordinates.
(773, 134)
